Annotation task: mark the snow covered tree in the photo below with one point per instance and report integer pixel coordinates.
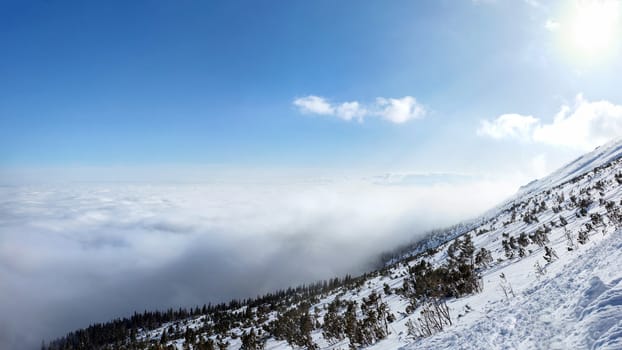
(550, 255)
(250, 341)
(539, 237)
(352, 325)
(483, 258)
(507, 249)
(295, 326)
(523, 240)
(334, 324)
(376, 317)
(583, 236)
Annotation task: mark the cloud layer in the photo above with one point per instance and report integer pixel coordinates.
(394, 110)
(74, 255)
(582, 126)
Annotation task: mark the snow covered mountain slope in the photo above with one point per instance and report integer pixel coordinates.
(600, 156)
(541, 271)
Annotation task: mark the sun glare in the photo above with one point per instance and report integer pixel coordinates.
(594, 26)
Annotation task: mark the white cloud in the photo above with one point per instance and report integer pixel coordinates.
(551, 25)
(314, 104)
(350, 110)
(395, 110)
(399, 110)
(587, 125)
(582, 126)
(508, 126)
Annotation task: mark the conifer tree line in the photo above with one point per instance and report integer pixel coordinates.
(116, 334)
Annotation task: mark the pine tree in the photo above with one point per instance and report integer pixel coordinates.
(163, 338)
(306, 327)
(250, 341)
(351, 324)
(523, 240)
(467, 249)
(583, 237)
(483, 258)
(550, 255)
(509, 252)
(334, 324)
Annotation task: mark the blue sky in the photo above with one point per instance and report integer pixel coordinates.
(195, 83)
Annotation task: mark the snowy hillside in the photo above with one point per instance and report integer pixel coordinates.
(601, 156)
(541, 271)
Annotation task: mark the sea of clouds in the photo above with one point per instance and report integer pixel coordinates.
(75, 254)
